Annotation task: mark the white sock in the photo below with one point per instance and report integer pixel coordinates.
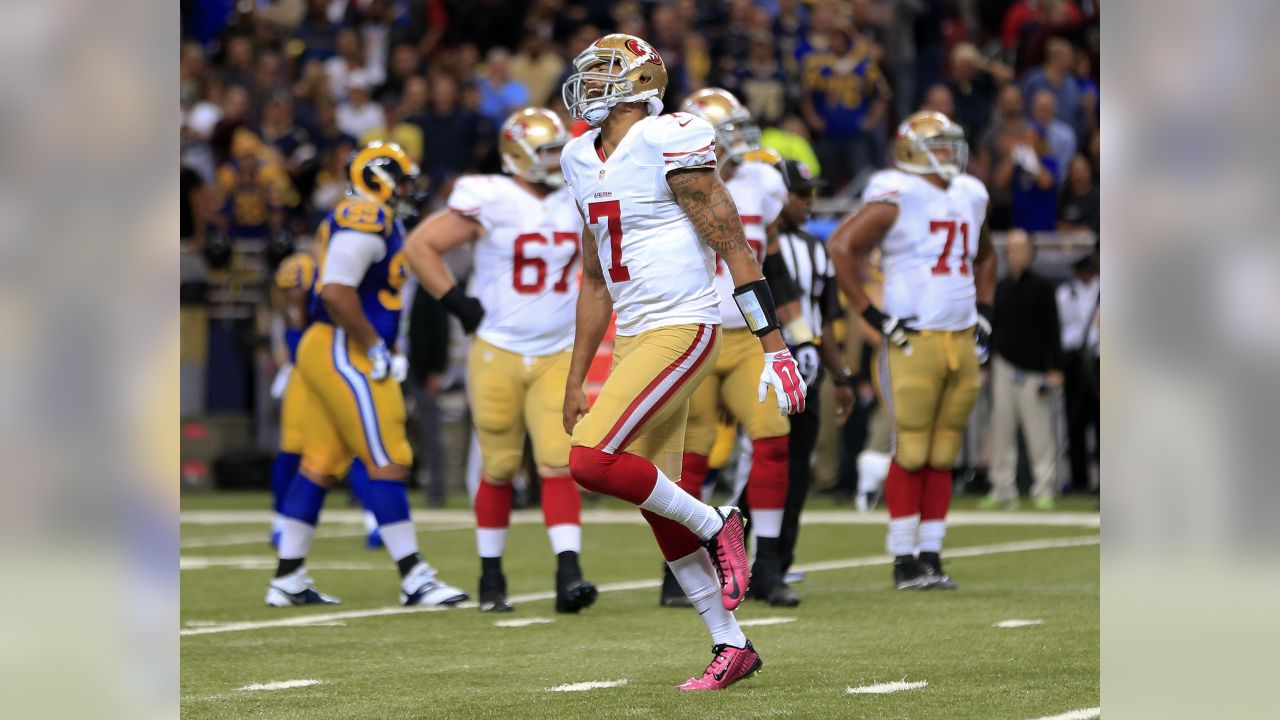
(400, 538)
(766, 523)
(491, 542)
(370, 522)
(295, 538)
(565, 537)
(931, 534)
(669, 501)
(697, 576)
(902, 535)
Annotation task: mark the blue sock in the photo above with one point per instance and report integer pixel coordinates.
(304, 501)
(283, 470)
(358, 476)
(388, 500)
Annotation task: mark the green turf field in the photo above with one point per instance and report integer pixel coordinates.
(851, 631)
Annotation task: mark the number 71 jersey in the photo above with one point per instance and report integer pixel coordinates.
(927, 256)
(526, 263)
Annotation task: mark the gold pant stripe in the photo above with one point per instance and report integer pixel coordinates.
(660, 389)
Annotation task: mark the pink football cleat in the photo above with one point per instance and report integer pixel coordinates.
(729, 551)
(730, 665)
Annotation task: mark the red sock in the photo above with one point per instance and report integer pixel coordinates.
(493, 504)
(622, 475)
(674, 539)
(693, 472)
(561, 502)
(936, 498)
(903, 490)
(767, 483)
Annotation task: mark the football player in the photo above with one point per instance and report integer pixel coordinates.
(525, 227)
(656, 214)
(296, 278)
(926, 215)
(759, 192)
(349, 394)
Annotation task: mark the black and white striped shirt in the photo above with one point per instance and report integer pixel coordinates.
(810, 267)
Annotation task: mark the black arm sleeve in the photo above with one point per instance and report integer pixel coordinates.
(830, 302)
(781, 284)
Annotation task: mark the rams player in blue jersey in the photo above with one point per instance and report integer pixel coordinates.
(296, 279)
(348, 396)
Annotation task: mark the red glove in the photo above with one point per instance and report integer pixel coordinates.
(780, 373)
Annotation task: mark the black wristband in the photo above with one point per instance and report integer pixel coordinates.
(873, 315)
(986, 311)
(755, 302)
(455, 301)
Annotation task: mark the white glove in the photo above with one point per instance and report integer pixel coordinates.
(399, 367)
(780, 373)
(380, 359)
(281, 381)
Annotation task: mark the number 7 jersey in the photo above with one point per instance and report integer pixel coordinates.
(659, 272)
(526, 263)
(927, 256)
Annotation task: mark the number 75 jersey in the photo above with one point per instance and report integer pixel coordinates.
(927, 256)
(526, 263)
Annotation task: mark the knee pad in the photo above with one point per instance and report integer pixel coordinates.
(501, 465)
(911, 450)
(945, 448)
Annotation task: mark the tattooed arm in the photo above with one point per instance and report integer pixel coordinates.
(706, 202)
(595, 307)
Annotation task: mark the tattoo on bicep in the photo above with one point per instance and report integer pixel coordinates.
(708, 205)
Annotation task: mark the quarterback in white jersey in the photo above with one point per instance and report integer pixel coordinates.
(657, 213)
(525, 227)
(939, 281)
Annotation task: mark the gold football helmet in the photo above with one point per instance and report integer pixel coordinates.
(530, 144)
(735, 132)
(377, 170)
(930, 143)
(614, 69)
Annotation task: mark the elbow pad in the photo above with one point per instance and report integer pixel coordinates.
(780, 281)
(755, 302)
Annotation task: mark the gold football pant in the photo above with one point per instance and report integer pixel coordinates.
(512, 394)
(734, 384)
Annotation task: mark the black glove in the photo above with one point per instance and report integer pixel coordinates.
(894, 328)
(807, 362)
(982, 333)
(467, 309)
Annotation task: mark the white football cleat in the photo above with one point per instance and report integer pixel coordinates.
(421, 587)
(296, 588)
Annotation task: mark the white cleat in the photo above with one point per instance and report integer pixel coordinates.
(421, 587)
(297, 588)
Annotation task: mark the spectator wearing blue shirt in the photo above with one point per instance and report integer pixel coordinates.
(1062, 141)
(845, 96)
(1029, 170)
(1055, 76)
(499, 94)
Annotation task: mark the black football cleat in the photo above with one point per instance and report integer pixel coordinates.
(941, 580)
(493, 593)
(911, 574)
(783, 596)
(573, 593)
(672, 594)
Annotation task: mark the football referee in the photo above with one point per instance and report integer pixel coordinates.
(807, 261)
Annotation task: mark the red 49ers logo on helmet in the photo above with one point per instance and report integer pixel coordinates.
(643, 50)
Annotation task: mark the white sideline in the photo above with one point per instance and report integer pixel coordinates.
(429, 520)
(1082, 714)
(593, 685)
(523, 622)
(766, 621)
(261, 537)
(1017, 623)
(279, 685)
(886, 688)
(311, 619)
(265, 562)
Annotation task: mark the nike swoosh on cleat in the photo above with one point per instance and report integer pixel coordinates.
(735, 593)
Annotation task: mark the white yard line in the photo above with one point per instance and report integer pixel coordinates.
(279, 685)
(523, 622)
(430, 519)
(1017, 623)
(766, 621)
(886, 688)
(1082, 714)
(311, 619)
(266, 562)
(593, 685)
(261, 537)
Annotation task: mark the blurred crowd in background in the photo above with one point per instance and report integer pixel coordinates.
(275, 95)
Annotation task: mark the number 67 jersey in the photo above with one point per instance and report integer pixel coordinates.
(526, 263)
(927, 256)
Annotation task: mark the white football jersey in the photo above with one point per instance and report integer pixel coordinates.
(659, 272)
(526, 262)
(928, 253)
(759, 192)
